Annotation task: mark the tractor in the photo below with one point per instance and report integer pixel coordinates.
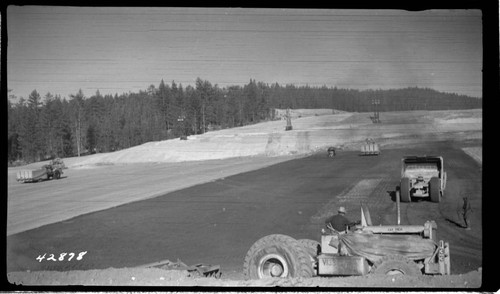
(364, 249)
(422, 177)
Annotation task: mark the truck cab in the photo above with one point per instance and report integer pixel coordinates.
(422, 177)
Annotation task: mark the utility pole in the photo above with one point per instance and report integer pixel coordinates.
(78, 132)
(377, 106)
(181, 120)
(203, 116)
(376, 117)
(288, 120)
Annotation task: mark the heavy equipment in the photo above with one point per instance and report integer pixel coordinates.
(422, 176)
(53, 170)
(365, 249)
(197, 271)
(370, 148)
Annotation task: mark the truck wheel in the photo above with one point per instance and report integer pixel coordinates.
(57, 175)
(313, 248)
(395, 265)
(434, 187)
(277, 256)
(405, 190)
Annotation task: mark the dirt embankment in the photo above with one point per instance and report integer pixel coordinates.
(310, 134)
(99, 181)
(84, 189)
(159, 277)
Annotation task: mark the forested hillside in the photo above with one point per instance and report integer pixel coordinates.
(51, 126)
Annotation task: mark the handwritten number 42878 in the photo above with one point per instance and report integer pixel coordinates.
(62, 256)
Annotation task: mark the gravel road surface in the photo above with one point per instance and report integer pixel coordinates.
(217, 222)
(91, 188)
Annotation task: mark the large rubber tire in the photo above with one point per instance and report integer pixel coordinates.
(313, 248)
(395, 265)
(277, 256)
(57, 175)
(405, 190)
(434, 189)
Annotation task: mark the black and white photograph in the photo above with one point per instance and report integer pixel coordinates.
(244, 147)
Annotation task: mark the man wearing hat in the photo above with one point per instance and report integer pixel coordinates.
(339, 222)
(331, 152)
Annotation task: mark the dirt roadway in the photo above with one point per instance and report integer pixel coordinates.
(217, 222)
(104, 185)
(92, 188)
(131, 277)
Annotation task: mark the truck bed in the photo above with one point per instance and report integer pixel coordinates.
(425, 170)
(31, 175)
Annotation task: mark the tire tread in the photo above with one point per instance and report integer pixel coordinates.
(303, 267)
(397, 261)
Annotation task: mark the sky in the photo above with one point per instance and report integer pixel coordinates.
(126, 49)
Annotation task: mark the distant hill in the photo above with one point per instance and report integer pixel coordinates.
(363, 101)
(52, 126)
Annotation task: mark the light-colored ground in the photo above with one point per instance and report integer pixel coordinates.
(309, 134)
(476, 153)
(85, 189)
(297, 113)
(159, 277)
(106, 180)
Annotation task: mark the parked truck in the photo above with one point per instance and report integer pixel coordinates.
(53, 170)
(422, 177)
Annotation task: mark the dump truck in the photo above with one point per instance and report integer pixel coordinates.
(363, 250)
(422, 177)
(53, 170)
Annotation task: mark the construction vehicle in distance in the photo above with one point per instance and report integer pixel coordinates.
(368, 249)
(370, 148)
(53, 170)
(422, 176)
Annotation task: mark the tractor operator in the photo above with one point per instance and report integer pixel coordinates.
(339, 222)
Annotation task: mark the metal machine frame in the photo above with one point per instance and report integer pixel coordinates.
(333, 262)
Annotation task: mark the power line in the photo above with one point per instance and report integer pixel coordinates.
(406, 61)
(420, 81)
(287, 12)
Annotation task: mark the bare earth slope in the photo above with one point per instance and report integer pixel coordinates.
(158, 277)
(103, 181)
(85, 189)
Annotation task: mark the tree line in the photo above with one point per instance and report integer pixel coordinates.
(54, 126)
